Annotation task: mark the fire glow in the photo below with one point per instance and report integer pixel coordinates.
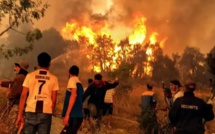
(91, 33)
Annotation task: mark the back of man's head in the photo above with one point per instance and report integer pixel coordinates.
(90, 81)
(190, 86)
(149, 85)
(98, 77)
(44, 59)
(74, 70)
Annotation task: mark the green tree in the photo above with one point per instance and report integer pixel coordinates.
(210, 60)
(164, 68)
(192, 64)
(16, 12)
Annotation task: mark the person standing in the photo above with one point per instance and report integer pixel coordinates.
(148, 119)
(85, 104)
(72, 110)
(38, 98)
(175, 87)
(108, 105)
(14, 93)
(97, 91)
(188, 112)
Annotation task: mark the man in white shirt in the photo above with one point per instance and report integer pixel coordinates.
(175, 86)
(108, 105)
(39, 95)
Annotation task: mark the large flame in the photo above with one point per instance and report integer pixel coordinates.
(100, 30)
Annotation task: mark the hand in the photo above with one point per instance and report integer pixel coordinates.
(20, 121)
(66, 120)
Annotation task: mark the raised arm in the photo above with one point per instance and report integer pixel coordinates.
(6, 84)
(111, 85)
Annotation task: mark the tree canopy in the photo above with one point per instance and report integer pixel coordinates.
(13, 13)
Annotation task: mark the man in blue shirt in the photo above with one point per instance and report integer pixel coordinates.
(72, 110)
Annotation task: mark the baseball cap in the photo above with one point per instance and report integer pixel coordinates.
(23, 64)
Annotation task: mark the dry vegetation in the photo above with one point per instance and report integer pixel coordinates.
(126, 111)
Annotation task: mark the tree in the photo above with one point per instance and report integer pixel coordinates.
(164, 68)
(192, 64)
(16, 12)
(210, 60)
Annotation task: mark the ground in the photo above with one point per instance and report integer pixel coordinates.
(126, 111)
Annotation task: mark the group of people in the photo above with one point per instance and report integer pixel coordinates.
(187, 113)
(33, 97)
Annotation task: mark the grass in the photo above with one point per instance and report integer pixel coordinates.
(126, 111)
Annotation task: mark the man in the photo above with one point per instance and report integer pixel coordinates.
(97, 91)
(14, 92)
(148, 118)
(41, 88)
(188, 112)
(108, 106)
(72, 109)
(175, 86)
(168, 100)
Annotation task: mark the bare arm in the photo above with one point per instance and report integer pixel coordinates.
(71, 101)
(54, 100)
(22, 101)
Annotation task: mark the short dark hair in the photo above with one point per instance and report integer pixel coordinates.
(149, 87)
(176, 82)
(74, 70)
(44, 59)
(98, 77)
(90, 81)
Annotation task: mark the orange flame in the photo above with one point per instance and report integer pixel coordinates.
(76, 31)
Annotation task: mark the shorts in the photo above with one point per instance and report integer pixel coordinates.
(108, 109)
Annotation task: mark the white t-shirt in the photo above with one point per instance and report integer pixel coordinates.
(109, 96)
(72, 82)
(40, 83)
(177, 95)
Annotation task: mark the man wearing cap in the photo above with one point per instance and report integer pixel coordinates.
(175, 86)
(15, 90)
(148, 115)
(188, 112)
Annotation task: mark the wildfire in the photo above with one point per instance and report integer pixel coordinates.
(97, 37)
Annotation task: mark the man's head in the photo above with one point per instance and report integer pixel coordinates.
(98, 79)
(190, 86)
(74, 70)
(44, 60)
(23, 64)
(175, 85)
(90, 81)
(149, 86)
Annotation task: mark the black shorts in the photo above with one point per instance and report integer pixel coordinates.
(108, 109)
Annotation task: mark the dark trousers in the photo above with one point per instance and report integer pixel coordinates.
(74, 125)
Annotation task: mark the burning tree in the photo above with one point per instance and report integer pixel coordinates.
(106, 54)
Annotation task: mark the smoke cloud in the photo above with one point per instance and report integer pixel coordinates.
(182, 22)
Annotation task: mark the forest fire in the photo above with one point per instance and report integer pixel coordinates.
(96, 38)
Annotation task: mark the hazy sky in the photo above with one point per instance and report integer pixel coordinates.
(183, 22)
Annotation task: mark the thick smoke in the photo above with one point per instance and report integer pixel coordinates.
(183, 22)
